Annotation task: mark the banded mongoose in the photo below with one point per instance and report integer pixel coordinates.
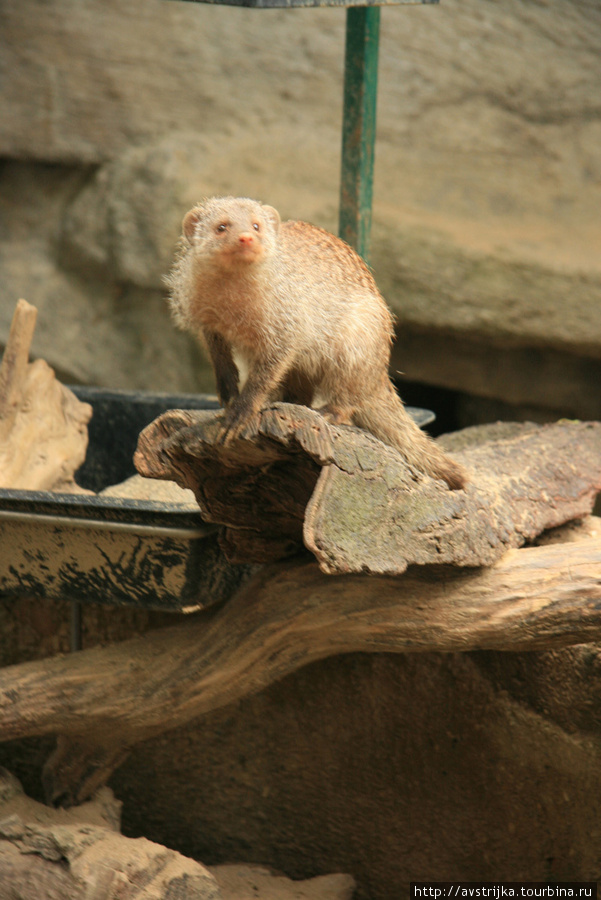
(299, 309)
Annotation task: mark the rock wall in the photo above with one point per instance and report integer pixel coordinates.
(487, 236)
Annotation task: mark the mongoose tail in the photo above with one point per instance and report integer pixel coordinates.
(384, 415)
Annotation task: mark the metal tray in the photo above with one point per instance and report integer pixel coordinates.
(86, 548)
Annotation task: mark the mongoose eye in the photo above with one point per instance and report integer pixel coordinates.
(256, 226)
(221, 228)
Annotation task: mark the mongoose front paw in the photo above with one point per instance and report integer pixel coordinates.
(238, 427)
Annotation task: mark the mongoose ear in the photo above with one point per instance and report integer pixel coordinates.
(189, 224)
(273, 216)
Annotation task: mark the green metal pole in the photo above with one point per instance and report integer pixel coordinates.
(359, 125)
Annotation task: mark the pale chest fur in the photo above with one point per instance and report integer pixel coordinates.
(231, 307)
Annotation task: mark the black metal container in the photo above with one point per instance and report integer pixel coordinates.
(87, 548)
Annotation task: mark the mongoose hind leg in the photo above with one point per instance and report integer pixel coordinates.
(298, 388)
(337, 413)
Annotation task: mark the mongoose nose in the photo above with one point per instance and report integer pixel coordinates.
(246, 238)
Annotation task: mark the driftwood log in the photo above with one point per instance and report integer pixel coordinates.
(356, 504)
(43, 426)
(301, 485)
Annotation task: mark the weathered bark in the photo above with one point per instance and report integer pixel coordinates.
(43, 426)
(357, 505)
(105, 699)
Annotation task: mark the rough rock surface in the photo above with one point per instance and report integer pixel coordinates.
(488, 177)
(75, 854)
(454, 766)
(48, 854)
(91, 328)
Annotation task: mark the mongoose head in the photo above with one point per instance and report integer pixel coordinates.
(231, 232)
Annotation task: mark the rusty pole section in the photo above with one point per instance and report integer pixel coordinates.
(359, 125)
